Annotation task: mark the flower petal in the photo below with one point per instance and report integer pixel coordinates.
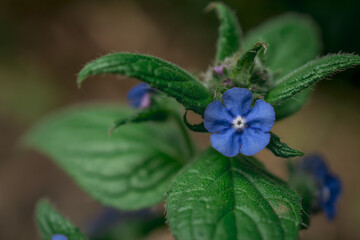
(316, 166)
(261, 116)
(329, 195)
(145, 100)
(253, 141)
(227, 142)
(136, 94)
(237, 101)
(217, 117)
(58, 237)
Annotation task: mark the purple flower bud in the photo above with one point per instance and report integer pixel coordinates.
(219, 69)
(140, 96)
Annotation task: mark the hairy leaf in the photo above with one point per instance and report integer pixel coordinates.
(131, 169)
(280, 149)
(308, 74)
(292, 40)
(242, 71)
(158, 73)
(50, 222)
(229, 32)
(231, 198)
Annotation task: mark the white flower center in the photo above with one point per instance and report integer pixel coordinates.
(239, 122)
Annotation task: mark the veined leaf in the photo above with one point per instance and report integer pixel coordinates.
(158, 73)
(292, 40)
(131, 169)
(308, 74)
(280, 149)
(231, 198)
(241, 72)
(229, 32)
(50, 222)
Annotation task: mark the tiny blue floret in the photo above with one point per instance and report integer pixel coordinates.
(140, 96)
(328, 185)
(237, 127)
(59, 237)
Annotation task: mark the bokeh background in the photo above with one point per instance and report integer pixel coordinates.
(43, 44)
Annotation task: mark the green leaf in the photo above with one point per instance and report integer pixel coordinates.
(292, 105)
(229, 32)
(292, 40)
(153, 113)
(131, 169)
(231, 198)
(50, 222)
(132, 229)
(196, 127)
(280, 149)
(158, 73)
(242, 71)
(308, 74)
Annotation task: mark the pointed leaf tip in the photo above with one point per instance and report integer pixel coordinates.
(229, 31)
(242, 71)
(306, 75)
(51, 222)
(281, 149)
(159, 74)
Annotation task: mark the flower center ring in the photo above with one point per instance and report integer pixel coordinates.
(239, 123)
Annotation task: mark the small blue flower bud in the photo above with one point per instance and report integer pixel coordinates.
(59, 237)
(140, 96)
(328, 185)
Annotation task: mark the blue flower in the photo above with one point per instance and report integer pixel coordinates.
(59, 237)
(236, 126)
(328, 185)
(140, 96)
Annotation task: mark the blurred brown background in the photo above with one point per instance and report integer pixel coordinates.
(43, 44)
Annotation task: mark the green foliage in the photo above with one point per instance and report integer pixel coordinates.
(306, 186)
(130, 169)
(280, 149)
(196, 127)
(243, 69)
(132, 229)
(215, 197)
(229, 32)
(231, 198)
(158, 73)
(292, 40)
(153, 113)
(306, 75)
(50, 222)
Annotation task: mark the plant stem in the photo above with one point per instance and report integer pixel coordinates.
(186, 135)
